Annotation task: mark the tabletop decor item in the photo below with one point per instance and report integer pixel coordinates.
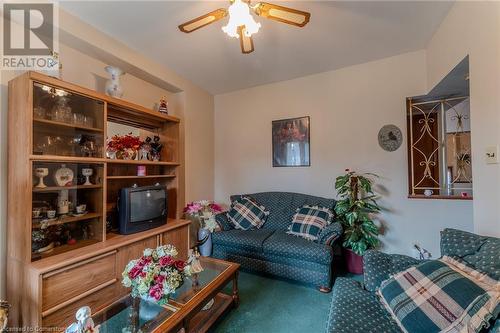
(124, 147)
(41, 173)
(4, 314)
(202, 214)
(145, 150)
(156, 148)
(356, 210)
(291, 147)
(390, 137)
(163, 106)
(156, 275)
(64, 176)
(87, 172)
(84, 323)
(113, 85)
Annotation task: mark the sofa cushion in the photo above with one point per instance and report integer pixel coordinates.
(282, 206)
(440, 296)
(247, 214)
(309, 221)
(282, 244)
(246, 240)
(478, 252)
(356, 310)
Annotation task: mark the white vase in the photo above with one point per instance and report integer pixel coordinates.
(113, 85)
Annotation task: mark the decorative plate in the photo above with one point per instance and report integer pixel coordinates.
(390, 137)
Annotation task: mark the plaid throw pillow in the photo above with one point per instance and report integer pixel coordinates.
(246, 214)
(441, 296)
(308, 221)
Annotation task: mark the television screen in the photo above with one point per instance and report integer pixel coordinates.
(147, 205)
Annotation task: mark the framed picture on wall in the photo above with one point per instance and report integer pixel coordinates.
(291, 142)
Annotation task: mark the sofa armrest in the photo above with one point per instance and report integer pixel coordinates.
(223, 222)
(379, 266)
(330, 234)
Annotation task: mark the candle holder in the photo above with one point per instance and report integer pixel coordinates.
(87, 172)
(41, 173)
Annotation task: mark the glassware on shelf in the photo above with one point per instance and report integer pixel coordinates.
(39, 112)
(88, 121)
(61, 111)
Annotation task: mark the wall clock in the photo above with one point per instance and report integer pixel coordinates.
(390, 137)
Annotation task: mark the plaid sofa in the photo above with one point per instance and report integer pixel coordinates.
(355, 307)
(271, 250)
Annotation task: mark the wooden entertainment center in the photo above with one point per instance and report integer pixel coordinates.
(54, 126)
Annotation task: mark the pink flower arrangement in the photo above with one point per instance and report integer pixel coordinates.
(155, 275)
(202, 207)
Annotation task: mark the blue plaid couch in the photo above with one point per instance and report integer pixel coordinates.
(355, 307)
(271, 251)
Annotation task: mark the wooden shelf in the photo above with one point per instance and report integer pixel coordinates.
(138, 177)
(67, 159)
(439, 197)
(65, 248)
(74, 126)
(141, 162)
(68, 219)
(127, 113)
(203, 320)
(60, 188)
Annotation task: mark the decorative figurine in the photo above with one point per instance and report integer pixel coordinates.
(64, 176)
(87, 172)
(41, 173)
(84, 323)
(4, 314)
(145, 150)
(113, 86)
(156, 148)
(163, 107)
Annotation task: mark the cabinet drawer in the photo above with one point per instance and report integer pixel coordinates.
(61, 318)
(63, 285)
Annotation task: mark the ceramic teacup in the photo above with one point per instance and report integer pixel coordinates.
(37, 212)
(81, 208)
(51, 214)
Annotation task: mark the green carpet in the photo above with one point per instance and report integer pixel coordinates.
(274, 306)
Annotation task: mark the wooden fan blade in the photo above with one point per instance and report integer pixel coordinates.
(246, 43)
(282, 14)
(203, 20)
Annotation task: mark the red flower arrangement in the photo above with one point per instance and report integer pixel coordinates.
(155, 275)
(120, 143)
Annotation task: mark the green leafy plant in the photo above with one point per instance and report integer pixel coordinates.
(355, 209)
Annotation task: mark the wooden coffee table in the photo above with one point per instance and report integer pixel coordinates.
(184, 311)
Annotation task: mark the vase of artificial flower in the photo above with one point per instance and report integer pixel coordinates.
(203, 213)
(205, 242)
(156, 275)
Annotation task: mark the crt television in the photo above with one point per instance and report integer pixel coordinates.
(141, 208)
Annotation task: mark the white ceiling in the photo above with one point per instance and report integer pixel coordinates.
(339, 34)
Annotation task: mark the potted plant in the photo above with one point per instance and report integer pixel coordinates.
(202, 214)
(356, 210)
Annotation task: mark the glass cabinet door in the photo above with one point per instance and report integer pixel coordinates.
(66, 123)
(67, 206)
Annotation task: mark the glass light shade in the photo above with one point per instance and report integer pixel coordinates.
(239, 15)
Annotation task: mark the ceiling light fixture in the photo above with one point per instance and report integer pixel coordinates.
(241, 23)
(239, 15)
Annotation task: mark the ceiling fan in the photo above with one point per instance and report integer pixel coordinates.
(241, 23)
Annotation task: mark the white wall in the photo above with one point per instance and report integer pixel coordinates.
(347, 109)
(473, 28)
